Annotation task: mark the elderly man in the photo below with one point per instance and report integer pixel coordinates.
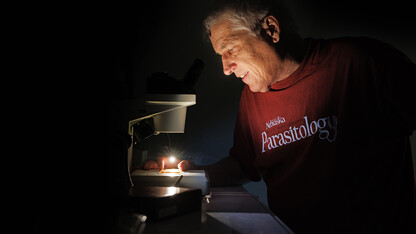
(325, 123)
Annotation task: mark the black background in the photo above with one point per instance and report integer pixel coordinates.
(107, 52)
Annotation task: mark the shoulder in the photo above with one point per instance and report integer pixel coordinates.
(356, 46)
(350, 41)
(344, 49)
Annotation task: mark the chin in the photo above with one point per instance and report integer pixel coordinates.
(259, 89)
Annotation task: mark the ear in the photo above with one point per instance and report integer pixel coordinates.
(271, 25)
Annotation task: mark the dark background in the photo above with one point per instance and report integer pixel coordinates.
(168, 35)
(81, 58)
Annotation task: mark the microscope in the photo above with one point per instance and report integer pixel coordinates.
(163, 193)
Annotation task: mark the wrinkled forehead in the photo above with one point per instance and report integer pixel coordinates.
(222, 36)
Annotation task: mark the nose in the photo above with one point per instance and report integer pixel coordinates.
(228, 66)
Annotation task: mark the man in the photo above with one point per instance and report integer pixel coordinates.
(325, 123)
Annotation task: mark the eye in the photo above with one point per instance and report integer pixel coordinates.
(230, 50)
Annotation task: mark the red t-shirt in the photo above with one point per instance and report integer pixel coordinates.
(331, 141)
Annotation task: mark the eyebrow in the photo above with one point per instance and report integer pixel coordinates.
(224, 44)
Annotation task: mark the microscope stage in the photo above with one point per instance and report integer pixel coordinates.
(186, 179)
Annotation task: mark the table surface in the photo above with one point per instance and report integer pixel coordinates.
(228, 210)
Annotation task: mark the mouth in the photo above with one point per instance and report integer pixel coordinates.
(244, 75)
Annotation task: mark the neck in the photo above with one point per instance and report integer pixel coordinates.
(288, 67)
(291, 52)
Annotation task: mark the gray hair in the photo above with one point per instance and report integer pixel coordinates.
(248, 15)
(242, 17)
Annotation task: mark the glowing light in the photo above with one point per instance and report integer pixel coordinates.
(172, 159)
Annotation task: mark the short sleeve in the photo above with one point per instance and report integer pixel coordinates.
(393, 75)
(381, 89)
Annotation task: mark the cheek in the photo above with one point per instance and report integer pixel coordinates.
(255, 65)
(260, 71)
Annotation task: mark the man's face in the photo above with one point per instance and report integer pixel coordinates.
(247, 56)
